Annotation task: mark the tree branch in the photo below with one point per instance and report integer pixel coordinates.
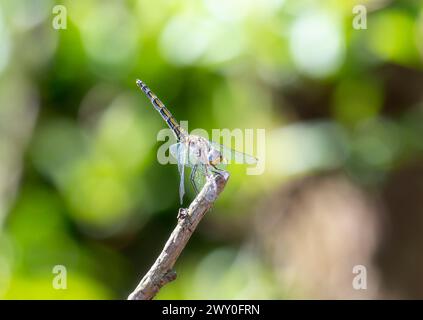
(162, 270)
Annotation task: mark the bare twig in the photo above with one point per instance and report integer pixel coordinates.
(162, 270)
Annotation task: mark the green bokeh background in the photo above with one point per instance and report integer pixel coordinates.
(80, 185)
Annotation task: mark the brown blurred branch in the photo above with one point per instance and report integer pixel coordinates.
(162, 270)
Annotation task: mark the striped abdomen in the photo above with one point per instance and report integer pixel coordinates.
(161, 108)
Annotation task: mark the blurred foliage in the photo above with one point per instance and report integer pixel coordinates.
(79, 182)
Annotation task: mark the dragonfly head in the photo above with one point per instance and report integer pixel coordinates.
(215, 157)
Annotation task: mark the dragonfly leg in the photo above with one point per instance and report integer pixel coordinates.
(192, 178)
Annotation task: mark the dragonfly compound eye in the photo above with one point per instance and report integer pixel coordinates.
(214, 157)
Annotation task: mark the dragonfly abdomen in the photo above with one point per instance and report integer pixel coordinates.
(161, 108)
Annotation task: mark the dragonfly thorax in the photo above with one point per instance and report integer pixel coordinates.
(201, 151)
(214, 157)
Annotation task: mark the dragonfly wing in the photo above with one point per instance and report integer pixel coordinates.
(179, 152)
(234, 156)
(200, 176)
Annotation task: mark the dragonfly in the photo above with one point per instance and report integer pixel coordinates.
(204, 157)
